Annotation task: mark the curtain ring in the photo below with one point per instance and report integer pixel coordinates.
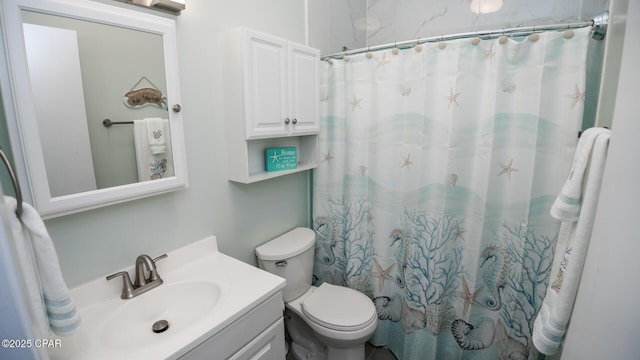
(503, 39)
(417, 47)
(568, 34)
(476, 39)
(369, 54)
(345, 57)
(395, 48)
(442, 44)
(534, 37)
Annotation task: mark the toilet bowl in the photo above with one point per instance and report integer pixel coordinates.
(325, 322)
(341, 318)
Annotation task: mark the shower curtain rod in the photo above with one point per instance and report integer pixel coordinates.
(598, 26)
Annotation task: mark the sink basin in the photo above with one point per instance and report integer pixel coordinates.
(204, 292)
(181, 304)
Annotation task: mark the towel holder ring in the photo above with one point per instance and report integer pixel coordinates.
(14, 181)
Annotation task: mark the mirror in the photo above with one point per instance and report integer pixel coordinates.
(96, 97)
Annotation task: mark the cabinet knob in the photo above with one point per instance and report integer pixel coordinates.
(286, 121)
(294, 121)
(177, 108)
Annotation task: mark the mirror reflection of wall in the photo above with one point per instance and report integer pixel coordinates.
(52, 54)
(112, 60)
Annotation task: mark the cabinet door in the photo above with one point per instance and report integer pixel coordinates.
(303, 88)
(266, 99)
(267, 346)
(258, 334)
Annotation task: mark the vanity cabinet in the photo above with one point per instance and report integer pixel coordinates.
(272, 100)
(258, 335)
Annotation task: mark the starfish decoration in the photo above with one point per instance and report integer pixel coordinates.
(467, 295)
(355, 103)
(453, 98)
(406, 161)
(577, 96)
(489, 54)
(381, 273)
(369, 217)
(275, 158)
(459, 232)
(507, 168)
(328, 157)
(383, 61)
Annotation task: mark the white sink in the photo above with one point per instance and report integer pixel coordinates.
(203, 292)
(182, 305)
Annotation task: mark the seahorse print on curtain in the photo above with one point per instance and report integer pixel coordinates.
(437, 172)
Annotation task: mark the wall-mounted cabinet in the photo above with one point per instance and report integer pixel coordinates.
(272, 96)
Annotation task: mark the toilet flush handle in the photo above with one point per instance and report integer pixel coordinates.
(281, 263)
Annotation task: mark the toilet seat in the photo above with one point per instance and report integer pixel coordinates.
(339, 308)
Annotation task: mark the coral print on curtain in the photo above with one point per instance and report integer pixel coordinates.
(439, 165)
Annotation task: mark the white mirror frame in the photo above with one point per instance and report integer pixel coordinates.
(21, 115)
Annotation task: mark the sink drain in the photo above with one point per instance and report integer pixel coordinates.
(160, 326)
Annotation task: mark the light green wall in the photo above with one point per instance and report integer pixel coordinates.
(98, 242)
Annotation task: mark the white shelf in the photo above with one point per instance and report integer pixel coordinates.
(250, 167)
(271, 100)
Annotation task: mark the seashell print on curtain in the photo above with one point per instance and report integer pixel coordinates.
(437, 172)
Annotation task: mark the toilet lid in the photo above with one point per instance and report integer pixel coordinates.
(339, 308)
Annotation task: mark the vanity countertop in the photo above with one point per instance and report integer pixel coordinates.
(239, 287)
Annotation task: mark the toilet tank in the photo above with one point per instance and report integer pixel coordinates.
(290, 256)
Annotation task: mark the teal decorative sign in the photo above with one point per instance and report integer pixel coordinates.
(284, 158)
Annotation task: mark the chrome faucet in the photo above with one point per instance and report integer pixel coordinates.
(143, 283)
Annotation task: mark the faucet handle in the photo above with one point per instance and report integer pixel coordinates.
(127, 287)
(153, 274)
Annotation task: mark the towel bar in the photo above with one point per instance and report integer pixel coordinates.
(108, 122)
(14, 180)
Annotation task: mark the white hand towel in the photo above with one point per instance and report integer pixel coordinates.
(551, 323)
(152, 165)
(156, 135)
(49, 302)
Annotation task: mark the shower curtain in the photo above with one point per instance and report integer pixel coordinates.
(438, 167)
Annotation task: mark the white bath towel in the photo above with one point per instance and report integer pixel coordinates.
(153, 148)
(566, 207)
(49, 302)
(583, 187)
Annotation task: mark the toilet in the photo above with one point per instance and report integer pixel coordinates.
(325, 322)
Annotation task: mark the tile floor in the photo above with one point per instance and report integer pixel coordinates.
(371, 353)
